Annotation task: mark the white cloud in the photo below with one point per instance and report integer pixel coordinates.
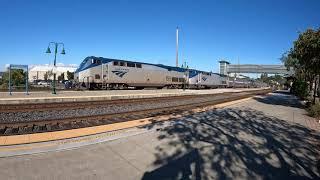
(3, 67)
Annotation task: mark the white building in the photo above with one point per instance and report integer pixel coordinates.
(38, 72)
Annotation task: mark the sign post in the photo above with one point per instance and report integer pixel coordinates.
(10, 79)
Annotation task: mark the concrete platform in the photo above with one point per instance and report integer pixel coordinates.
(261, 138)
(75, 96)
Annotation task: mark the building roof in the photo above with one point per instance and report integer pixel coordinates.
(47, 67)
(223, 61)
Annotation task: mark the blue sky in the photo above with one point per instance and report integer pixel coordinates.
(248, 30)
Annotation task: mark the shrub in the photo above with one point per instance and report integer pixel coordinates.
(300, 89)
(314, 110)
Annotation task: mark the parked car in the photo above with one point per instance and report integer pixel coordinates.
(43, 83)
(68, 85)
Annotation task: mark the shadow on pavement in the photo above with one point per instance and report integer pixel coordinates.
(181, 168)
(280, 99)
(235, 143)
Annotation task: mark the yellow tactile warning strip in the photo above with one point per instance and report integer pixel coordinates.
(58, 135)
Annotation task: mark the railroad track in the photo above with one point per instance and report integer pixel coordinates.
(30, 127)
(86, 104)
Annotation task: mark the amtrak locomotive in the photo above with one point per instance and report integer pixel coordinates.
(106, 73)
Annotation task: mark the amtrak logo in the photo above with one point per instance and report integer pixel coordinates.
(204, 78)
(120, 73)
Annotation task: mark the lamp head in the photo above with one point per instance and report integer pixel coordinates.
(63, 51)
(48, 50)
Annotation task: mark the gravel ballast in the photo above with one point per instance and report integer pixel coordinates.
(41, 115)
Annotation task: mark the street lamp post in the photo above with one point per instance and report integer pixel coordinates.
(56, 45)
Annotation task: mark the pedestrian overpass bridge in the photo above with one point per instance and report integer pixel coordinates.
(226, 68)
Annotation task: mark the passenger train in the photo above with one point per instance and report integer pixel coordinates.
(106, 73)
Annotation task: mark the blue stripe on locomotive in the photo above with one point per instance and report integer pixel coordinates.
(84, 65)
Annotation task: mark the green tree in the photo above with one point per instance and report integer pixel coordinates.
(291, 63)
(264, 77)
(18, 78)
(45, 76)
(61, 77)
(304, 57)
(70, 75)
(300, 89)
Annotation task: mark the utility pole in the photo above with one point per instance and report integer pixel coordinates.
(177, 47)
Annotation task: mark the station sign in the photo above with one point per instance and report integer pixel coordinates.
(18, 66)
